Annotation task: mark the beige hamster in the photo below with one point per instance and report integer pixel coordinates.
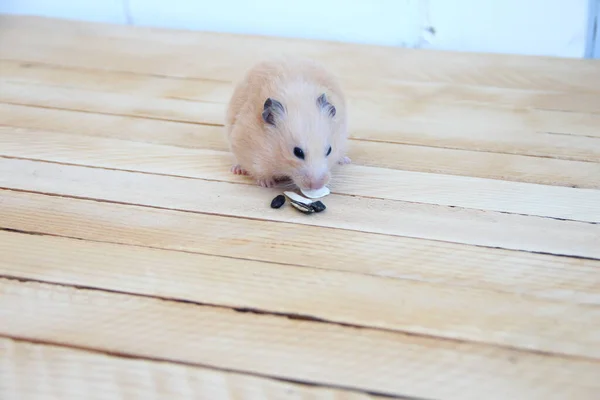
(287, 120)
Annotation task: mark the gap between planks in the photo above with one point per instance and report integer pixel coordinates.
(368, 182)
(322, 296)
(79, 372)
(182, 53)
(572, 147)
(310, 318)
(374, 361)
(386, 155)
(207, 90)
(482, 228)
(375, 121)
(521, 273)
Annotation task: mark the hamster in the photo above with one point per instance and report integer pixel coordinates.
(286, 120)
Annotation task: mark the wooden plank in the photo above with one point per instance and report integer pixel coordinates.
(564, 135)
(113, 103)
(467, 226)
(466, 314)
(387, 155)
(519, 98)
(477, 164)
(479, 128)
(370, 110)
(525, 274)
(183, 54)
(114, 126)
(376, 361)
(36, 371)
(355, 180)
(96, 79)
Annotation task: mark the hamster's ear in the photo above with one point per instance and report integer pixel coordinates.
(272, 109)
(325, 105)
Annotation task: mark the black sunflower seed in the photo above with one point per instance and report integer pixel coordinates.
(305, 208)
(278, 201)
(317, 206)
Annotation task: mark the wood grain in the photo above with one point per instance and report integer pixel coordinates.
(467, 314)
(524, 274)
(36, 371)
(196, 89)
(507, 167)
(564, 135)
(95, 79)
(458, 257)
(388, 363)
(183, 54)
(114, 126)
(123, 104)
(355, 180)
(468, 226)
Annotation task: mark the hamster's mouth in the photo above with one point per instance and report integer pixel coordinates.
(305, 183)
(306, 188)
(301, 184)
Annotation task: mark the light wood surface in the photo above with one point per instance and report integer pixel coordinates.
(508, 167)
(68, 373)
(458, 258)
(285, 348)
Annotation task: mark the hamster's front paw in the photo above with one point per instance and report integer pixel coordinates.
(238, 170)
(266, 183)
(345, 160)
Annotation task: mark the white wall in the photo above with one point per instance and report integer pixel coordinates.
(545, 27)
(101, 11)
(538, 27)
(389, 22)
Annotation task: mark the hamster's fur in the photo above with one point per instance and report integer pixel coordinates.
(282, 120)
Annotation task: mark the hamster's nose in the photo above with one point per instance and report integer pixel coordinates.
(318, 183)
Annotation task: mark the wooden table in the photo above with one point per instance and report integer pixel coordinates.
(458, 258)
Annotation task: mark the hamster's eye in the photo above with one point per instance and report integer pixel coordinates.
(328, 151)
(299, 153)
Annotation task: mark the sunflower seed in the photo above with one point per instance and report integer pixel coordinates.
(297, 198)
(278, 201)
(303, 204)
(318, 206)
(302, 207)
(316, 194)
